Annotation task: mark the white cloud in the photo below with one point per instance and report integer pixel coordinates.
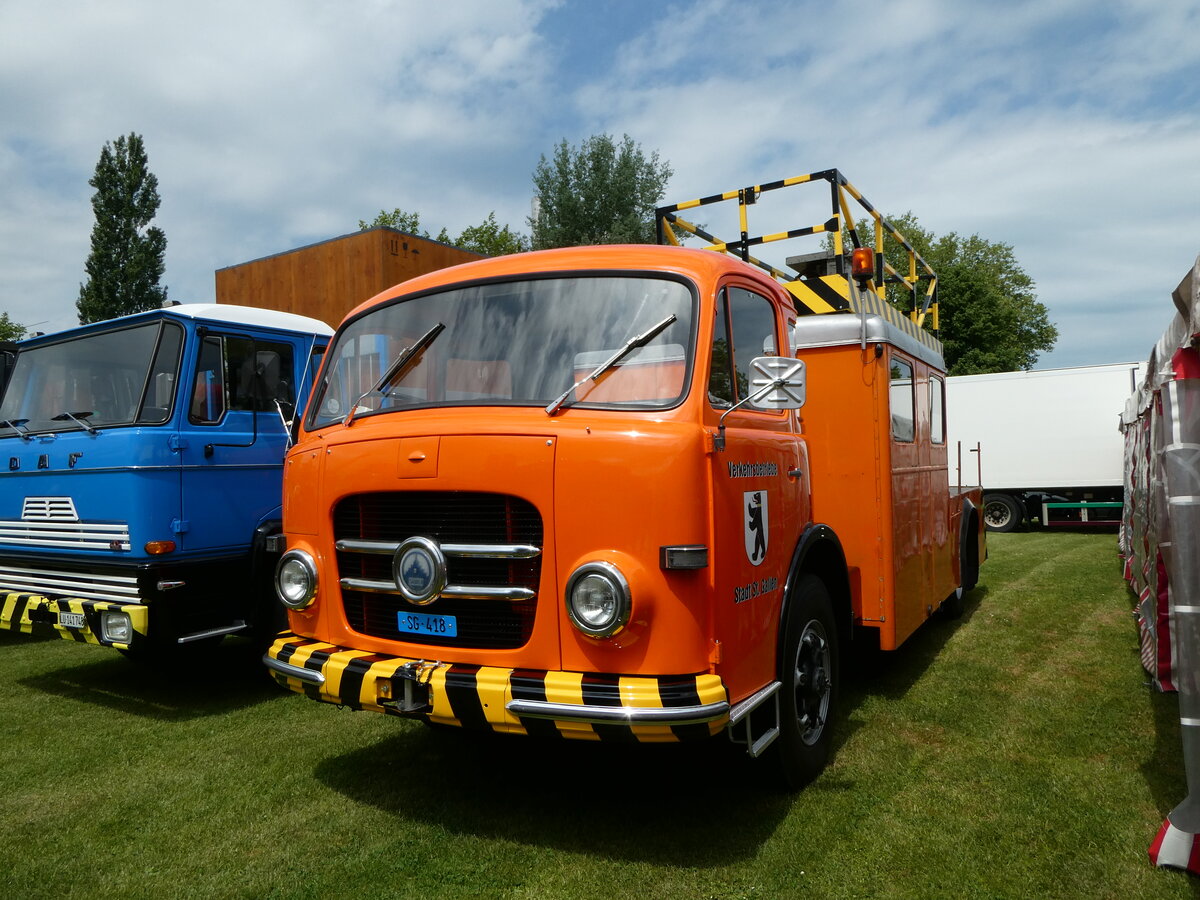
(1064, 128)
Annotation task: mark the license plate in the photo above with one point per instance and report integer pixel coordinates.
(427, 625)
(71, 620)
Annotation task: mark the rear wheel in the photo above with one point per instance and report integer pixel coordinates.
(1001, 513)
(808, 698)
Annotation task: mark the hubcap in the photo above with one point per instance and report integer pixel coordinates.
(812, 679)
(997, 515)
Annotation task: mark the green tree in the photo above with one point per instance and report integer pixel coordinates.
(488, 238)
(126, 260)
(599, 193)
(408, 222)
(990, 317)
(10, 330)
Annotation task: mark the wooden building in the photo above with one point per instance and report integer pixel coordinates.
(328, 279)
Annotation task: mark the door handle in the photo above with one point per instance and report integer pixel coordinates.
(794, 473)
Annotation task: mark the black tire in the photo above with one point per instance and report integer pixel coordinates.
(1001, 513)
(809, 674)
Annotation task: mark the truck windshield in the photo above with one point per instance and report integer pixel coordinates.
(520, 343)
(121, 377)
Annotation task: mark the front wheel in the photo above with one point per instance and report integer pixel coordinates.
(808, 698)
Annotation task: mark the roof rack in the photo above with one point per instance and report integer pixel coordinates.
(822, 282)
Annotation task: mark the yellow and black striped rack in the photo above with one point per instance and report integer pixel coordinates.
(834, 291)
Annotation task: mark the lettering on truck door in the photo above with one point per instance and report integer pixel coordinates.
(756, 496)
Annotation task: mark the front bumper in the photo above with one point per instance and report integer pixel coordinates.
(575, 705)
(70, 618)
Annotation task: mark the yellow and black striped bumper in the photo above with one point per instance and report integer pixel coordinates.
(72, 619)
(574, 705)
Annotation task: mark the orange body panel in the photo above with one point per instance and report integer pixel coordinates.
(890, 502)
(619, 485)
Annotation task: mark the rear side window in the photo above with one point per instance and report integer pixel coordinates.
(902, 401)
(937, 410)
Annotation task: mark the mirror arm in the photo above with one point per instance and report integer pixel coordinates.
(719, 437)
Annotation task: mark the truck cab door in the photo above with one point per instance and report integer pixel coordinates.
(759, 496)
(240, 396)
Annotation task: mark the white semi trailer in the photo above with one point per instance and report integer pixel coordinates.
(1045, 444)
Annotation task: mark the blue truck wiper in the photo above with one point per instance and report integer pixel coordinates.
(16, 425)
(78, 419)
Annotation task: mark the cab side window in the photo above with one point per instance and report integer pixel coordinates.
(745, 329)
(237, 373)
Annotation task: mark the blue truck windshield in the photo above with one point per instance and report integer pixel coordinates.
(121, 377)
(519, 343)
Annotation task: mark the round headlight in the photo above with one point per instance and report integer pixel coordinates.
(598, 599)
(296, 579)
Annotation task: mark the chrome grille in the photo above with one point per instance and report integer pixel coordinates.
(68, 583)
(492, 544)
(71, 535)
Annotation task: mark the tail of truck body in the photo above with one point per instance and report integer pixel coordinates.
(1047, 443)
(144, 461)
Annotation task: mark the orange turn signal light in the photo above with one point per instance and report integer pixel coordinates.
(157, 548)
(862, 262)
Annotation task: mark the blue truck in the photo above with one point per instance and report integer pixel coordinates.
(141, 465)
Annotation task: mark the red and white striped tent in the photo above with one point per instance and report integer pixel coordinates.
(1160, 543)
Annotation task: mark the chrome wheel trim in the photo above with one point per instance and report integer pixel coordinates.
(812, 682)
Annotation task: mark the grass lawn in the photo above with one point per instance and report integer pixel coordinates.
(1014, 753)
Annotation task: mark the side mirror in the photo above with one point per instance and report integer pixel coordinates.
(776, 382)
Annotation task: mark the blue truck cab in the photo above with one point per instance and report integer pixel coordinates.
(141, 465)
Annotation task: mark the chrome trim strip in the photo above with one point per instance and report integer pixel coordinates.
(474, 551)
(61, 526)
(450, 592)
(212, 632)
(293, 671)
(623, 715)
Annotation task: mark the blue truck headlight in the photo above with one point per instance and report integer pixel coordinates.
(598, 599)
(296, 579)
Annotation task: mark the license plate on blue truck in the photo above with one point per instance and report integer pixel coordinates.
(427, 625)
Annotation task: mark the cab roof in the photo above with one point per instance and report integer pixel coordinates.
(701, 265)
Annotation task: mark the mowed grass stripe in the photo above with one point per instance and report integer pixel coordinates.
(1014, 753)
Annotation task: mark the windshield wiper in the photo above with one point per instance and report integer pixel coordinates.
(393, 372)
(633, 343)
(16, 425)
(78, 419)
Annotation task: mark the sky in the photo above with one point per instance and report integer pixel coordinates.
(1068, 129)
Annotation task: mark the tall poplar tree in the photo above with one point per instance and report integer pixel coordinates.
(126, 261)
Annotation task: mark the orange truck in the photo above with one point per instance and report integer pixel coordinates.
(626, 492)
